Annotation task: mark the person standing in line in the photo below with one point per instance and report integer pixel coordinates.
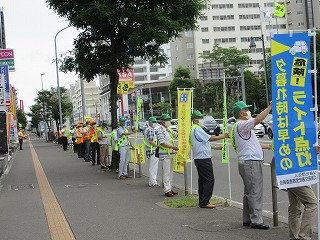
(95, 147)
(150, 141)
(87, 142)
(73, 136)
(165, 141)
(250, 160)
(123, 146)
(21, 136)
(64, 137)
(115, 158)
(104, 143)
(79, 139)
(202, 156)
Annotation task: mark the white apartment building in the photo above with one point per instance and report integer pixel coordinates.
(92, 100)
(227, 23)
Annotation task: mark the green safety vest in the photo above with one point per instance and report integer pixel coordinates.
(112, 136)
(122, 139)
(233, 141)
(164, 149)
(149, 145)
(193, 127)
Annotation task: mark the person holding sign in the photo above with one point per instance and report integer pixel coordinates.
(250, 158)
(165, 140)
(122, 146)
(202, 156)
(150, 141)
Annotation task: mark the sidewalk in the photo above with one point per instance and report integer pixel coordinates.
(97, 205)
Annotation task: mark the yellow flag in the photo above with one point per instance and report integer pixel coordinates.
(280, 10)
(184, 128)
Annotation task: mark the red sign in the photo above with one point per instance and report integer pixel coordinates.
(126, 75)
(6, 54)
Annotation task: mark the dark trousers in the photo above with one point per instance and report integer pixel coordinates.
(74, 145)
(205, 180)
(79, 149)
(20, 143)
(65, 143)
(115, 159)
(95, 147)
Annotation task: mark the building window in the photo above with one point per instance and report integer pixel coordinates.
(248, 5)
(300, 13)
(188, 34)
(224, 29)
(298, 1)
(190, 57)
(249, 28)
(220, 6)
(204, 18)
(249, 16)
(206, 52)
(269, 4)
(191, 67)
(300, 24)
(223, 17)
(206, 40)
(205, 29)
(189, 45)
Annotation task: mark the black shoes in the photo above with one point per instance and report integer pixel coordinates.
(246, 224)
(259, 226)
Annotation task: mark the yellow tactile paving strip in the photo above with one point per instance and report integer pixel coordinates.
(57, 222)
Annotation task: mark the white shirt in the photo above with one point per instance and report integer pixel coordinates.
(201, 147)
(247, 143)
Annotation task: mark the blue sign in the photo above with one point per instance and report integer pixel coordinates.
(4, 69)
(293, 111)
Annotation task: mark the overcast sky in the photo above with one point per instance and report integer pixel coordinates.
(30, 28)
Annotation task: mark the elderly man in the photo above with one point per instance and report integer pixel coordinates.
(123, 146)
(150, 141)
(166, 154)
(202, 155)
(250, 158)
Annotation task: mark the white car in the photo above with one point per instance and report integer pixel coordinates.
(174, 125)
(299, 46)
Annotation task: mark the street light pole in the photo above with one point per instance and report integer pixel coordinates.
(42, 81)
(253, 45)
(57, 70)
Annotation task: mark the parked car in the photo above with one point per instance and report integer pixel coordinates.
(220, 123)
(258, 129)
(270, 129)
(210, 125)
(143, 125)
(265, 121)
(174, 125)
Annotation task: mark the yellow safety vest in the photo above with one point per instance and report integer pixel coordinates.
(149, 145)
(165, 149)
(233, 141)
(122, 139)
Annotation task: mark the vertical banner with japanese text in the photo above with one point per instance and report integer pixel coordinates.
(184, 126)
(292, 110)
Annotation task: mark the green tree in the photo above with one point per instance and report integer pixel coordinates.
(21, 117)
(161, 107)
(114, 33)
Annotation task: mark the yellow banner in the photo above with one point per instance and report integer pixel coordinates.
(138, 151)
(225, 158)
(184, 128)
(280, 10)
(178, 163)
(123, 87)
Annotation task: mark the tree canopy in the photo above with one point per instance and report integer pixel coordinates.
(114, 33)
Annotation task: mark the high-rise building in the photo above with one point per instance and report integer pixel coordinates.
(303, 14)
(2, 30)
(233, 23)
